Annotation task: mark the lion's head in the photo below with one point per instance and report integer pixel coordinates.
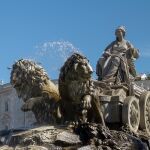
(27, 78)
(76, 67)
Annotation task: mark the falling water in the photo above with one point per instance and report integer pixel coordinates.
(52, 55)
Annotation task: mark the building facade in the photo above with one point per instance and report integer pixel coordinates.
(11, 116)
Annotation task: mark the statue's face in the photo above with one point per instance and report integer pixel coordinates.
(119, 34)
(84, 69)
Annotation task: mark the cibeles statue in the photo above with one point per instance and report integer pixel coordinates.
(117, 62)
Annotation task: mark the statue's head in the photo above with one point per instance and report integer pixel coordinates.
(76, 67)
(120, 30)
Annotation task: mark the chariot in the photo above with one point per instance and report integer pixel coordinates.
(126, 103)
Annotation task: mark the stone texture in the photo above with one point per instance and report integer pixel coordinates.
(6, 147)
(31, 147)
(67, 138)
(81, 137)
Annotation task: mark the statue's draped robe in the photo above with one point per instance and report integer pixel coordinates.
(113, 65)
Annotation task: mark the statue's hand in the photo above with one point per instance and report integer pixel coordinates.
(87, 101)
(133, 52)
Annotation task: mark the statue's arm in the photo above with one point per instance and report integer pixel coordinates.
(134, 52)
(108, 50)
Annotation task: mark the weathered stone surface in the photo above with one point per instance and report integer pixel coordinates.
(40, 136)
(83, 137)
(31, 147)
(88, 147)
(102, 137)
(6, 147)
(67, 138)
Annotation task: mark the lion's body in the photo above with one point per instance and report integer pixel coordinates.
(75, 85)
(35, 88)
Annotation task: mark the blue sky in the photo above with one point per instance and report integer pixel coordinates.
(26, 25)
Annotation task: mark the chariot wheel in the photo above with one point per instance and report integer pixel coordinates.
(145, 111)
(131, 113)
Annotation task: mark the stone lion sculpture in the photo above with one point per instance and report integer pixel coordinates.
(34, 87)
(78, 93)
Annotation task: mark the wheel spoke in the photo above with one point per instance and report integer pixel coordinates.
(134, 115)
(131, 111)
